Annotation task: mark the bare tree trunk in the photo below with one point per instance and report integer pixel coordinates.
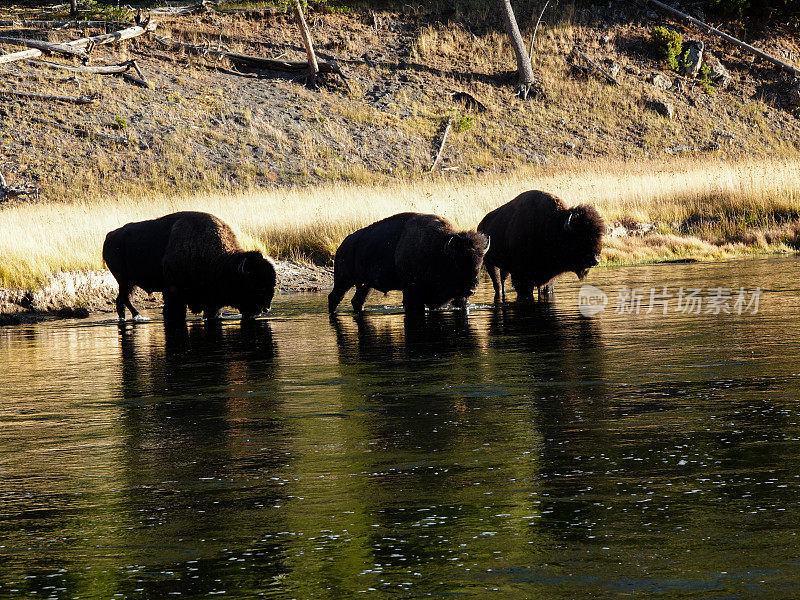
(313, 67)
(73, 9)
(524, 69)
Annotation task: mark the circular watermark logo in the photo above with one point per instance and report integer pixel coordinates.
(591, 300)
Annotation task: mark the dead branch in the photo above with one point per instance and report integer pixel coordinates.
(536, 28)
(761, 54)
(313, 67)
(610, 78)
(47, 47)
(140, 80)
(478, 40)
(441, 146)
(33, 96)
(96, 40)
(81, 132)
(96, 70)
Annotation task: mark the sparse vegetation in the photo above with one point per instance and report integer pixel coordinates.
(462, 122)
(704, 79)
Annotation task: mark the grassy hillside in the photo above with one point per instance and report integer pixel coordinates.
(205, 126)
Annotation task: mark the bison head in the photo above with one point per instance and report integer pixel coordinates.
(254, 284)
(583, 227)
(465, 252)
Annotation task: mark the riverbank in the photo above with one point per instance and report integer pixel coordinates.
(79, 294)
(50, 254)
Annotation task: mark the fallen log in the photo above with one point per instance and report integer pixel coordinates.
(47, 47)
(33, 96)
(119, 69)
(738, 43)
(140, 80)
(253, 62)
(59, 24)
(174, 11)
(95, 40)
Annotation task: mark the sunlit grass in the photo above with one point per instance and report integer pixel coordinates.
(709, 209)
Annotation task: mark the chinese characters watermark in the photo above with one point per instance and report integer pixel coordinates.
(664, 300)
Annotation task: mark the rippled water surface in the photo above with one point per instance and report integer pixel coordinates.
(518, 452)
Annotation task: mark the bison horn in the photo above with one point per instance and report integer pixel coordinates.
(568, 223)
(488, 244)
(447, 243)
(241, 269)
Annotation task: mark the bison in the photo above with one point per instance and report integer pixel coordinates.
(535, 237)
(422, 255)
(195, 260)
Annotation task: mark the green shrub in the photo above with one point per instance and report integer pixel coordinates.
(668, 45)
(705, 80)
(461, 122)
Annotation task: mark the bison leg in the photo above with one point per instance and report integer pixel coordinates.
(412, 301)
(503, 276)
(174, 306)
(523, 287)
(123, 300)
(336, 295)
(461, 303)
(360, 297)
(494, 275)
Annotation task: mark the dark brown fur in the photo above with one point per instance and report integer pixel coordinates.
(531, 241)
(195, 259)
(422, 255)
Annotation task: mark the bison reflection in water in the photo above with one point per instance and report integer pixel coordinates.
(422, 255)
(535, 237)
(195, 259)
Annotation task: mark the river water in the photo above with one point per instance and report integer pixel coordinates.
(518, 452)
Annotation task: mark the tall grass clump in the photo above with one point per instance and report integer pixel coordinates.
(705, 209)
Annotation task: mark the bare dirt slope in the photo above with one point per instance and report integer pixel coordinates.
(206, 125)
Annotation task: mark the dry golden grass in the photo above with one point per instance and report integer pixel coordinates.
(756, 207)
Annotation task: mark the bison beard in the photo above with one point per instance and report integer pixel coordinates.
(421, 255)
(535, 237)
(195, 260)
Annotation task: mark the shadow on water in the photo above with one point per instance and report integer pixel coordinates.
(560, 361)
(418, 376)
(203, 454)
(409, 370)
